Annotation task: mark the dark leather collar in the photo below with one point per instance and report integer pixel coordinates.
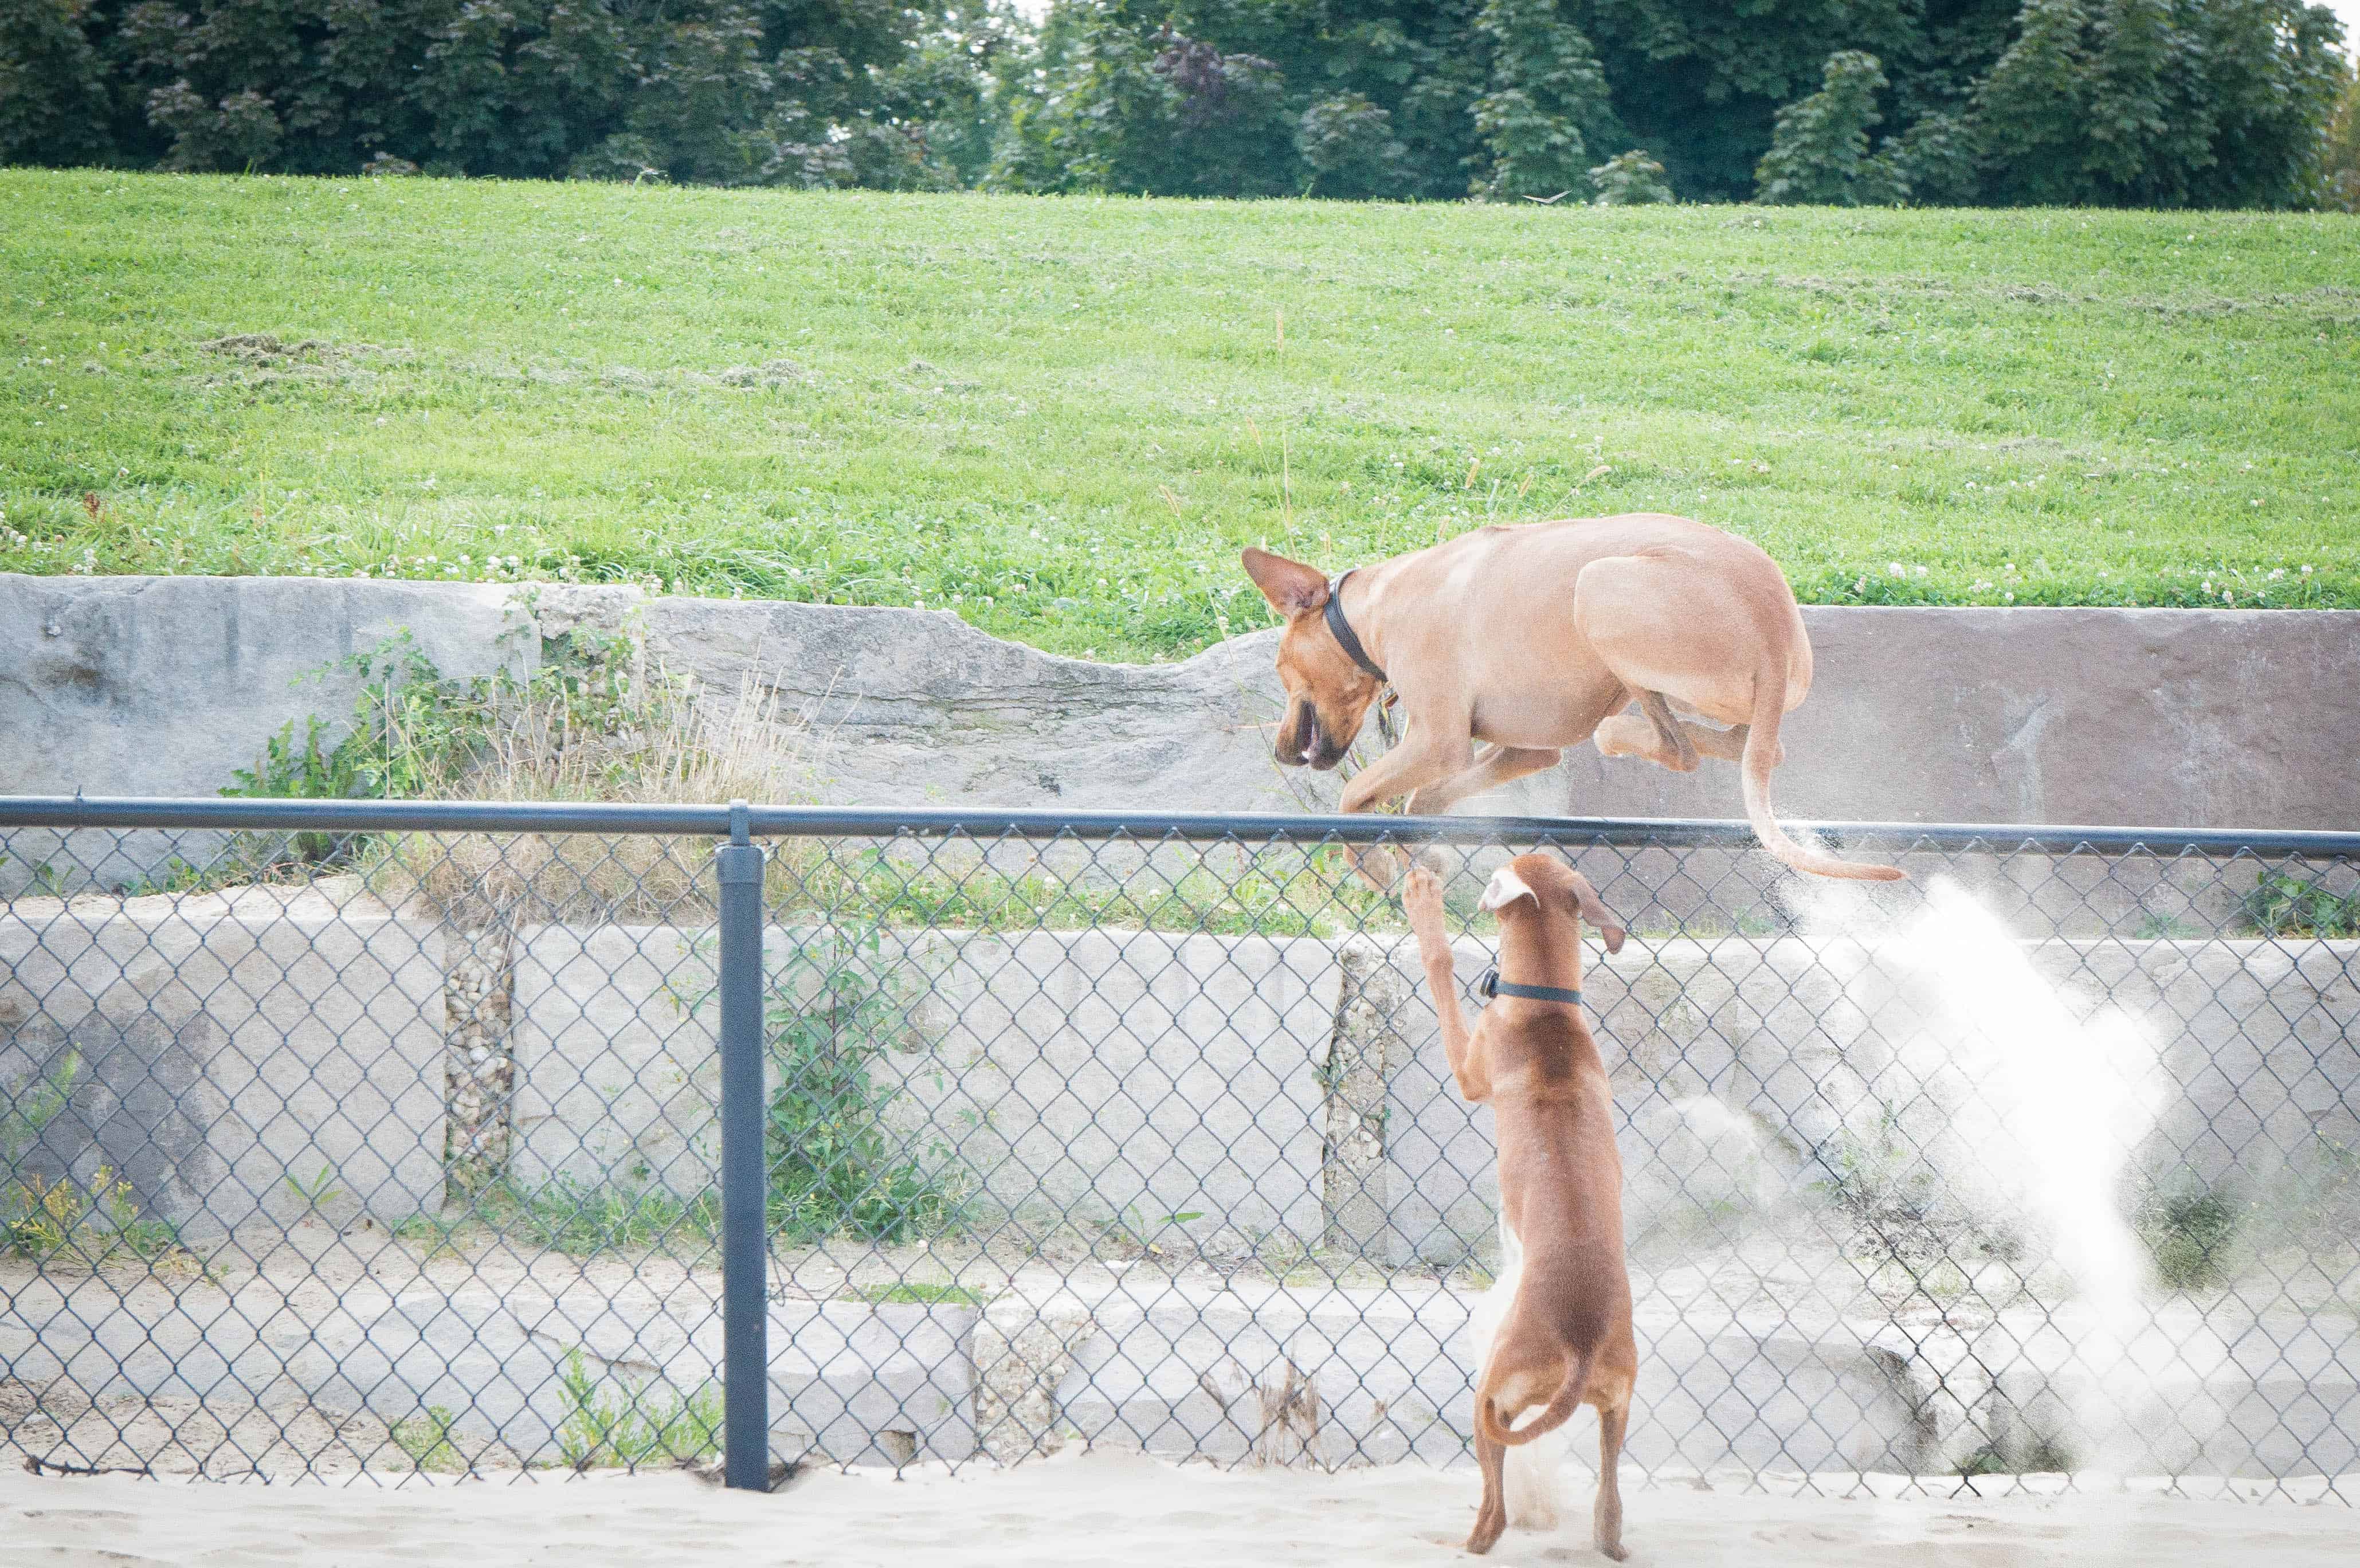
(1493, 985)
(1341, 629)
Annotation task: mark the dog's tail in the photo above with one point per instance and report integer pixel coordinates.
(1762, 754)
(1558, 1410)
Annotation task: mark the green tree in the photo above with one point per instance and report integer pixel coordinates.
(1932, 164)
(2339, 169)
(1819, 149)
(2273, 70)
(54, 105)
(2031, 110)
(2158, 103)
(1546, 106)
(1700, 85)
(2164, 102)
(1130, 102)
(1630, 179)
(1348, 144)
(724, 91)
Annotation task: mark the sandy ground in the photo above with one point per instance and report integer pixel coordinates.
(1105, 1508)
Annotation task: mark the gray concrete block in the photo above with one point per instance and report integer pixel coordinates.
(1125, 1075)
(1024, 1352)
(2149, 716)
(2183, 1388)
(160, 685)
(1279, 1377)
(847, 1375)
(224, 1059)
(1347, 1376)
(1111, 1075)
(1773, 1396)
(615, 1029)
(924, 709)
(1915, 715)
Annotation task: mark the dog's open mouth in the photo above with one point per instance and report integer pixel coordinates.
(1306, 743)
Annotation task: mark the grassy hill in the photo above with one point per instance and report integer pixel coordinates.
(1062, 417)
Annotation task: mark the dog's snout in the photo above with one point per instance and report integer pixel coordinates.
(1300, 740)
(1304, 742)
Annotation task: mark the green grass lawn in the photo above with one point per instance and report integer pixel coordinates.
(1062, 417)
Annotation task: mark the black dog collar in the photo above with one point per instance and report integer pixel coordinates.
(1341, 629)
(1493, 985)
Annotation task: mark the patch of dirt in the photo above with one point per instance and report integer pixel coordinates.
(770, 373)
(262, 358)
(263, 349)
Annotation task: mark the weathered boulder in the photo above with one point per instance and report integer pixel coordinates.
(168, 685)
(2165, 718)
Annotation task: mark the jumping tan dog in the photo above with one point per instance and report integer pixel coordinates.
(1533, 638)
(1563, 1336)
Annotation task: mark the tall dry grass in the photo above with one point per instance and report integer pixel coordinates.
(644, 738)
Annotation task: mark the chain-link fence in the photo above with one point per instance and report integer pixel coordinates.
(360, 1138)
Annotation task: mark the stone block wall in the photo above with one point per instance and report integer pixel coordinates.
(220, 1056)
(1108, 1076)
(229, 1050)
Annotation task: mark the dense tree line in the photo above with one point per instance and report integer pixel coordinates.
(2165, 103)
(720, 91)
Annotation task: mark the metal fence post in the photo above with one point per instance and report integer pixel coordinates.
(746, 1372)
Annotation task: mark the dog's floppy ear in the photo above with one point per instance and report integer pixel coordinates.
(1291, 586)
(1504, 889)
(1593, 910)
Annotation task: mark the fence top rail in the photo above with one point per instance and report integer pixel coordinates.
(989, 822)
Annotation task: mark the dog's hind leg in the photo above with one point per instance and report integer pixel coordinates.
(1663, 738)
(1672, 734)
(1729, 745)
(1606, 1521)
(1661, 741)
(1491, 1518)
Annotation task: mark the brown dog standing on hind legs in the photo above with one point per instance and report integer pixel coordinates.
(1563, 1336)
(1535, 638)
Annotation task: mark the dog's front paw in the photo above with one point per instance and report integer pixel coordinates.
(1422, 899)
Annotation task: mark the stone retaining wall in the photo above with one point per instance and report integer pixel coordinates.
(1296, 1089)
(1234, 1370)
(1288, 1090)
(1291, 1090)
